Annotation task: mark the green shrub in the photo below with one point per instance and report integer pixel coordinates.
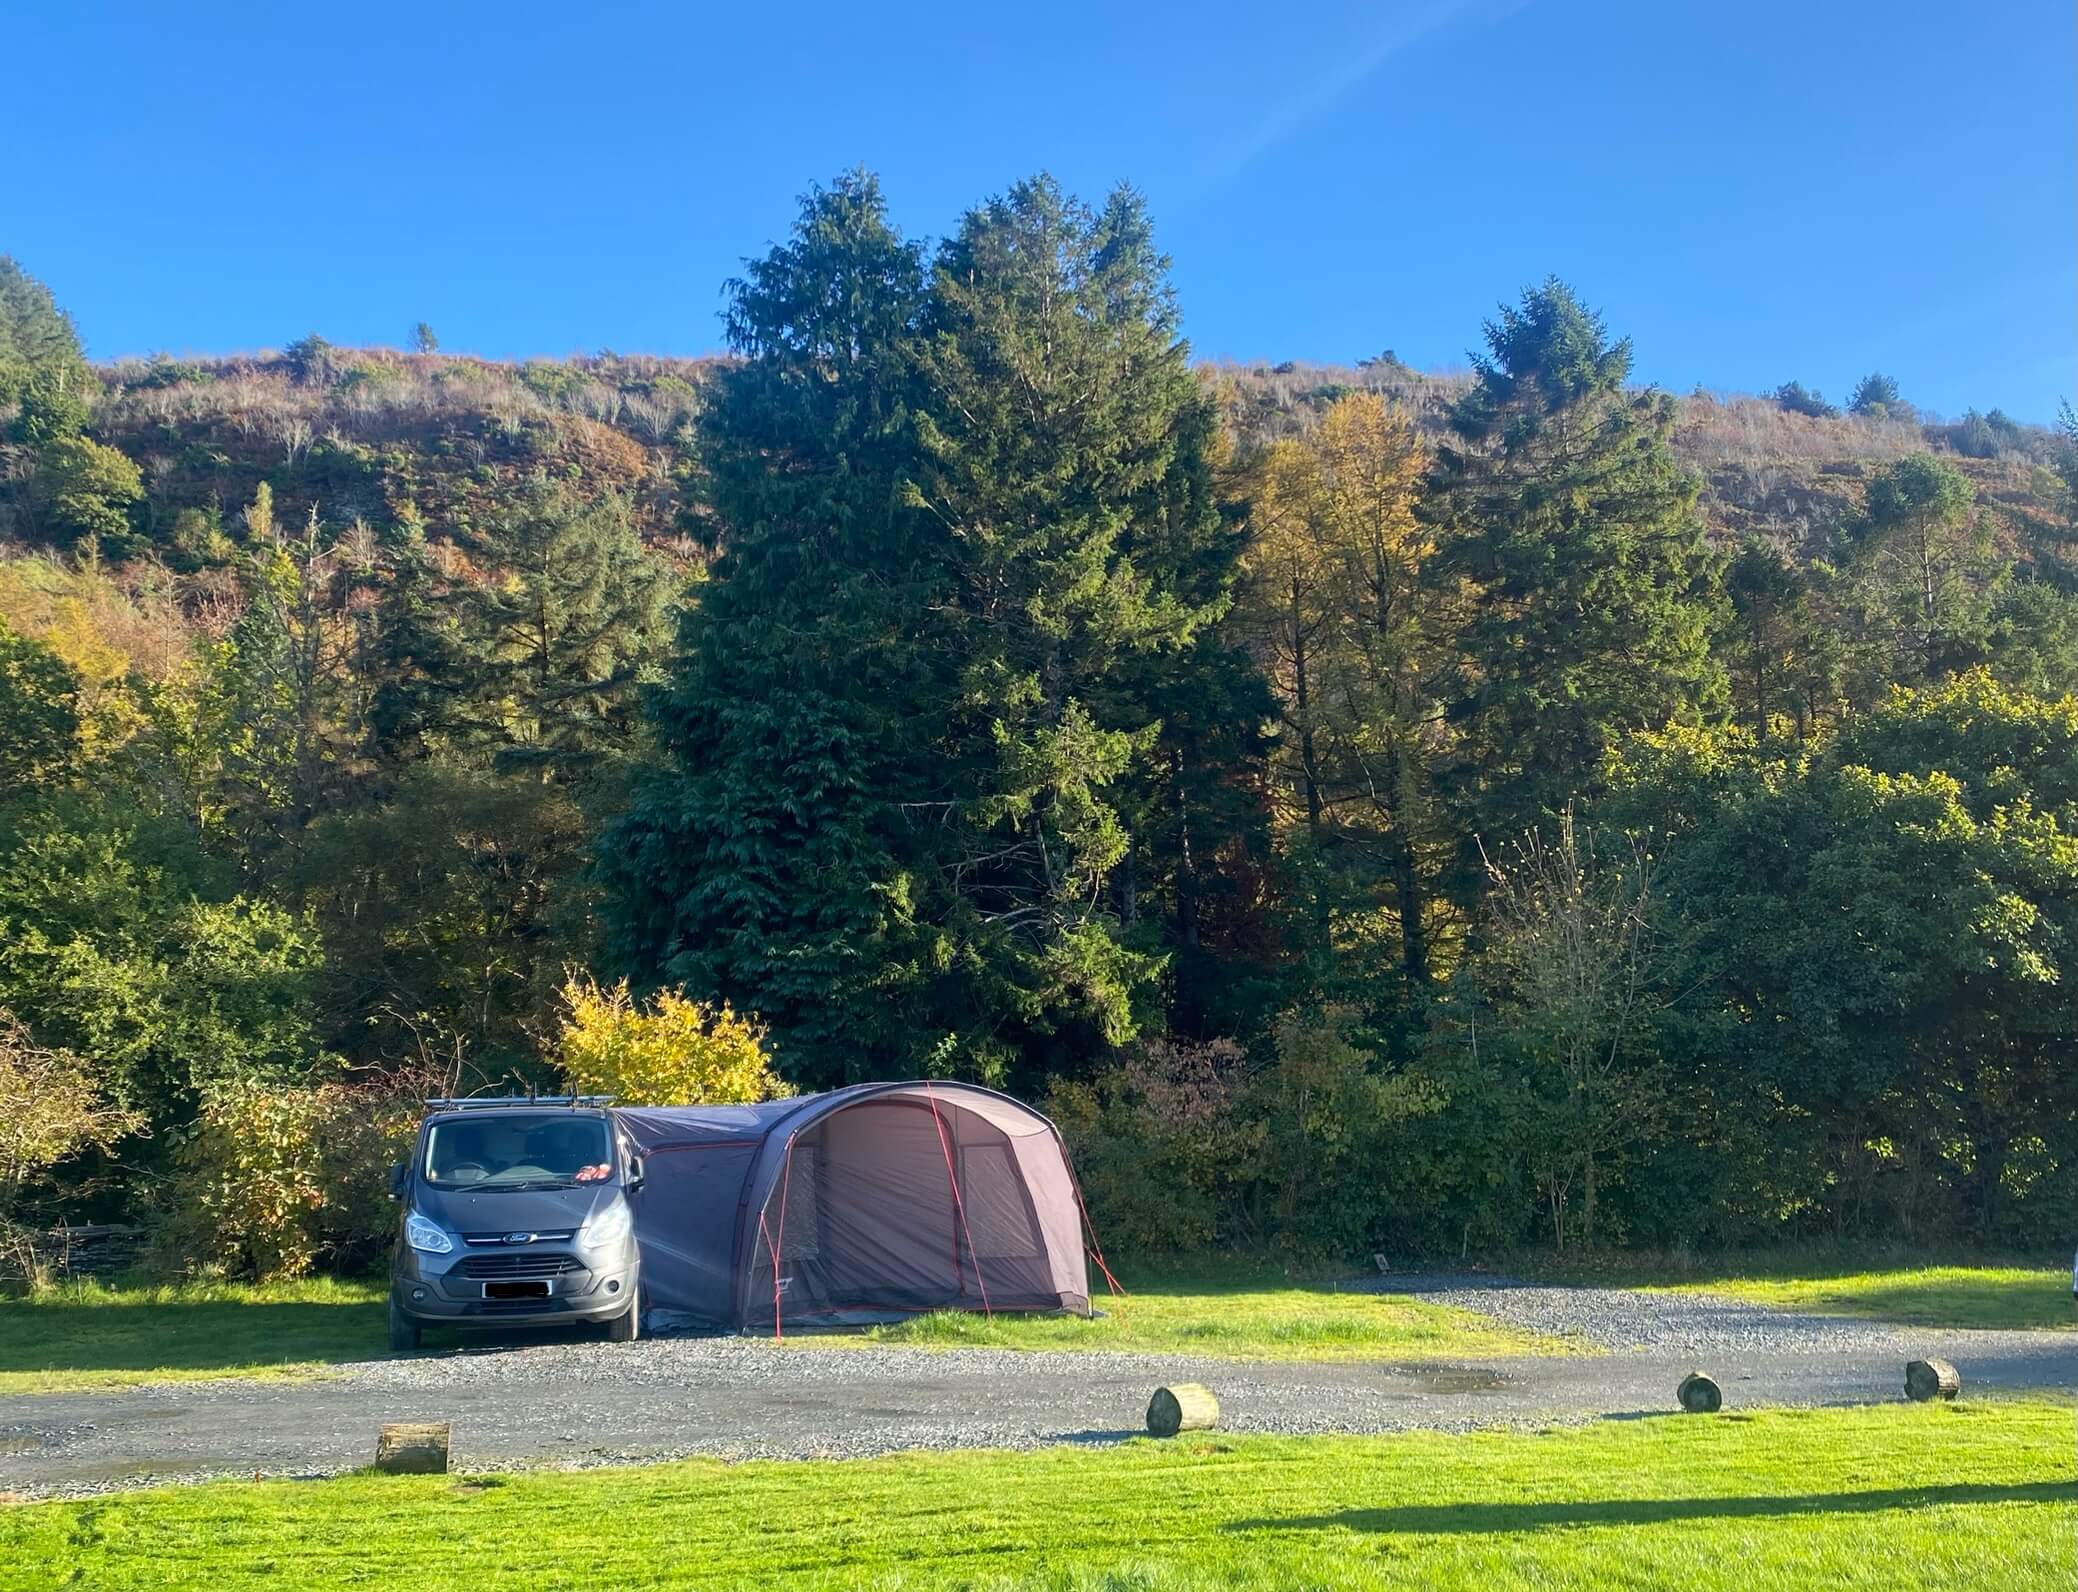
(550, 381)
(372, 375)
(1185, 1145)
(1157, 1144)
(313, 361)
(53, 1107)
(164, 371)
(273, 1180)
(1801, 400)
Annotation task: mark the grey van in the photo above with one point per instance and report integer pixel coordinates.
(514, 1213)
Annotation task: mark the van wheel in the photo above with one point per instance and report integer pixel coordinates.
(404, 1332)
(627, 1326)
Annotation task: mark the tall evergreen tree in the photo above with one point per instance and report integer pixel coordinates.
(1201, 818)
(1770, 645)
(1571, 532)
(79, 490)
(36, 337)
(1923, 564)
(275, 696)
(413, 653)
(2064, 450)
(560, 642)
(767, 859)
(1067, 452)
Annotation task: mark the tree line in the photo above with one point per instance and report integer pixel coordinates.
(1414, 831)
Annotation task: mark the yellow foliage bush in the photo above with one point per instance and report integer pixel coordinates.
(673, 1052)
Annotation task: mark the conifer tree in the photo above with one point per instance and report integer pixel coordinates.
(768, 860)
(36, 337)
(413, 651)
(559, 645)
(1924, 564)
(1066, 446)
(1771, 646)
(1590, 598)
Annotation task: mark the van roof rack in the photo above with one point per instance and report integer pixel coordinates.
(573, 1102)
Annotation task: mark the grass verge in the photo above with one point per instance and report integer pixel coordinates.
(90, 1335)
(1923, 1496)
(1923, 1295)
(1236, 1313)
(1926, 1296)
(1878, 1285)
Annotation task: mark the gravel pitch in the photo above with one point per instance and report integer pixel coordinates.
(565, 1403)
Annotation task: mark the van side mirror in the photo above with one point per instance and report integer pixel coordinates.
(398, 1174)
(634, 1178)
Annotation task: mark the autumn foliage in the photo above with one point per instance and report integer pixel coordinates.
(669, 1051)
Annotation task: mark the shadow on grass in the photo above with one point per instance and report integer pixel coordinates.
(57, 1342)
(1499, 1518)
(1940, 1299)
(182, 1335)
(1101, 1436)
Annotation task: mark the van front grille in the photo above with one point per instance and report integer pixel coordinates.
(518, 1265)
(482, 1240)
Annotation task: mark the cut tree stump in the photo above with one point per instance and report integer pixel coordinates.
(412, 1448)
(1699, 1395)
(1186, 1407)
(1931, 1379)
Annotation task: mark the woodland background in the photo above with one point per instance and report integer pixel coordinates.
(1368, 809)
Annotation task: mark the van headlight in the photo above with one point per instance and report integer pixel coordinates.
(425, 1236)
(607, 1228)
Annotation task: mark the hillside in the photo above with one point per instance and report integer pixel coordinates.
(1766, 470)
(362, 434)
(368, 434)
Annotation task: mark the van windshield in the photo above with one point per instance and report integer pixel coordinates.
(519, 1150)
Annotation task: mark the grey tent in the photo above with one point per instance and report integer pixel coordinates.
(864, 1204)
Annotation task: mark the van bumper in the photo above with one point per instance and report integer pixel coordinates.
(451, 1299)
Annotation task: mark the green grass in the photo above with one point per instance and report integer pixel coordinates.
(91, 1336)
(1233, 1312)
(87, 1335)
(1929, 1296)
(1882, 1283)
(1963, 1495)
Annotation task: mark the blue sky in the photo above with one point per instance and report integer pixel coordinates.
(1752, 191)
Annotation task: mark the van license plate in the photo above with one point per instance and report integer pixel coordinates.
(515, 1290)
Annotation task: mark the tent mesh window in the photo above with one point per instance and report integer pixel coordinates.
(804, 1202)
(999, 1218)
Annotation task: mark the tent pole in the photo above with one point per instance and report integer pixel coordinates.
(958, 1205)
(1096, 1248)
(786, 1182)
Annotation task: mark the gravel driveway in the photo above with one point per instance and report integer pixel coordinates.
(571, 1403)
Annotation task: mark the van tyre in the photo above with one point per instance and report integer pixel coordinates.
(404, 1332)
(627, 1326)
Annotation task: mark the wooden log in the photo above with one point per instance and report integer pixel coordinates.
(1699, 1395)
(1931, 1379)
(1186, 1407)
(412, 1448)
